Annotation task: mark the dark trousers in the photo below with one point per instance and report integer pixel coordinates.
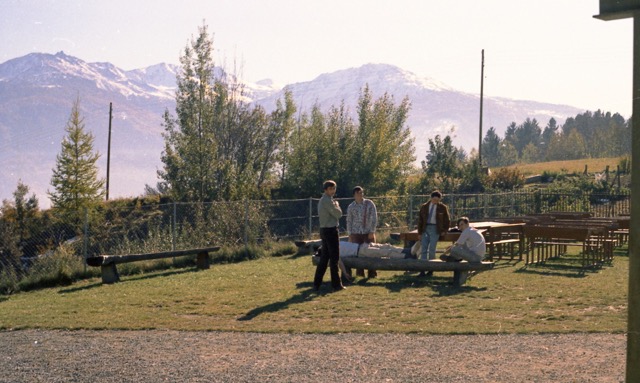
(330, 255)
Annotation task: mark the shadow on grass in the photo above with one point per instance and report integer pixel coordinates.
(503, 264)
(441, 285)
(301, 297)
(551, 268)
(133, 277)
(300, 255)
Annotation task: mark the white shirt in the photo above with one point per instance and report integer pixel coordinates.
(473, 240)
(431, 218)
(348, 249)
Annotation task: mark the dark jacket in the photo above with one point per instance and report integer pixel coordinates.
(443, 221)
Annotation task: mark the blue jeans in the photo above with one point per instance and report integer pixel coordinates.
(429, 241)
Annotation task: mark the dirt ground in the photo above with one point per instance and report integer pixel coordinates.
(173, 356)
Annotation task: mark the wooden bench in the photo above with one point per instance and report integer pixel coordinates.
(545, 242)
(107, 263)
(461, 270)
(501, 240)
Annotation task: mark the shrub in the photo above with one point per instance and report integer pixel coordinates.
(506, 179)
(61, 268)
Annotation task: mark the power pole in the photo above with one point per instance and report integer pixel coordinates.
(481, 90)
(109, 146)
(614, 10)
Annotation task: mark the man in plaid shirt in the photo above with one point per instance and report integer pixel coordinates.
(362, 219)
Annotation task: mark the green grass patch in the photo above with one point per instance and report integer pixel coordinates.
(274, 294)
(594, 165)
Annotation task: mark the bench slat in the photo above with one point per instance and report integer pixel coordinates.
(101, 260)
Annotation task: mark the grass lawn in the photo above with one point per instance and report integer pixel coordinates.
(594, 165)
(275, 295)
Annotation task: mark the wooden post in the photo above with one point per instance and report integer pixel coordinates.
(202, 260)
(481, 91)
(110, 273)
(109, 148)
(633, 332)
(310, 216)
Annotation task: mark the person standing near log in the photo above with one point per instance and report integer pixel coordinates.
(362, 219)
(433, 221)
(329, 213)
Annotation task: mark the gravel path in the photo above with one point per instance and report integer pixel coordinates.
(173, 356)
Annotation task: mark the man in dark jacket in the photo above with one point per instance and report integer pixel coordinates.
(433, 221)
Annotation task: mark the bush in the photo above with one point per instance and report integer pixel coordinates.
(61, 268)
(8, 281)
(506, 179)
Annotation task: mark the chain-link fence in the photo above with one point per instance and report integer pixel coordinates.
(144, 228)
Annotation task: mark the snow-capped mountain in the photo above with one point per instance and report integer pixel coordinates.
(435, 107)
(37, 92)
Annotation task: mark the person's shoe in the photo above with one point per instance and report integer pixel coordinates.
(316, 288)
(422, 274)
(429, 274)
(336, 289)
(346, 278)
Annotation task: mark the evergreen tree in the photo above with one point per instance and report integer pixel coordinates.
(491, 148)
(75, 181)
(190, 155)
(26, 211)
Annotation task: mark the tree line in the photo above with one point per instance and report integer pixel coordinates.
(588, 135)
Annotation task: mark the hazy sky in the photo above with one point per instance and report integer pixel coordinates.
(543, 50)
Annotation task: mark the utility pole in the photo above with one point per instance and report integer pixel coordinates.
(481, 90)
(109, 146)
(614, 10)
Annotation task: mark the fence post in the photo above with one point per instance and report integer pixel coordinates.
(173, 227)
(310, 216)
(85, 243)
(410, 212)
(246, 224)
(537, 198)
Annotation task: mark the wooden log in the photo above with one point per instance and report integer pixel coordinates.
(461, 270)
(107, 263)
(410, 264)
(100, 260)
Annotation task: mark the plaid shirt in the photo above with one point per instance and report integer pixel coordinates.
(356, 221)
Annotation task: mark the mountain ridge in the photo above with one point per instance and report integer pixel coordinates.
(37, 91)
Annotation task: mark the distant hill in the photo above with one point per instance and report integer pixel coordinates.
(38, 90)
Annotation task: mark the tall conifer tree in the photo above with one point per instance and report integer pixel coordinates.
(75, 181)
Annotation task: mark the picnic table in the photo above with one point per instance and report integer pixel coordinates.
(500, 237)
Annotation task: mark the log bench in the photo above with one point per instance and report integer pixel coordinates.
(461, 270)
(107, 263)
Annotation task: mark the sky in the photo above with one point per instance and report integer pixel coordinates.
(544, 50)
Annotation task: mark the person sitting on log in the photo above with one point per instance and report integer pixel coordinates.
(470, 246)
